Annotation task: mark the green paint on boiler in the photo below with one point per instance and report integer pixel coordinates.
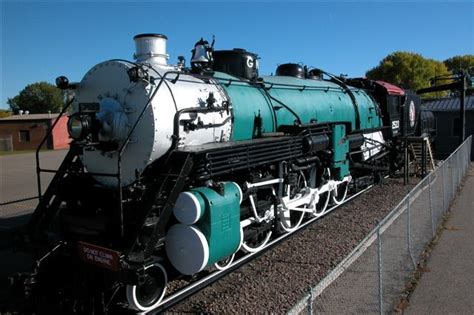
(320, 101)
(284, 100)
(248, 102)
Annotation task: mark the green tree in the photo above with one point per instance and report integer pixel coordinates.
(458, 63)
(39, 97)
(4, 113)
(409, 70)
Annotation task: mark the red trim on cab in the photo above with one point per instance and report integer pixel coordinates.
(391, 89)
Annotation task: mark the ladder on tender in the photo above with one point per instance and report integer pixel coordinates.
(416, 149)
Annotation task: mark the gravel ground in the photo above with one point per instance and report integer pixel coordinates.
(278, 279)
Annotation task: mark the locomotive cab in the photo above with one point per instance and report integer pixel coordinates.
(391, 99)
(401, 109)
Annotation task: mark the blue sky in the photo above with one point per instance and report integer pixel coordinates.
(42, 40)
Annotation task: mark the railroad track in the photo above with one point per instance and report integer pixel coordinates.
(181, 294)
(178, 296)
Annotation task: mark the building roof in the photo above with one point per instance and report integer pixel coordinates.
(449, 104)
(30, 117)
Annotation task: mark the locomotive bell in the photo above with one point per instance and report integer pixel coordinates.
(202, 55)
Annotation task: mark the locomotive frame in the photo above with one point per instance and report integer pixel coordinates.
(131, 250)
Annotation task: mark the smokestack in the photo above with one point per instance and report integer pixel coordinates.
(151, 48)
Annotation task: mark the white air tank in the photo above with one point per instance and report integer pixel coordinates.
(151, 48)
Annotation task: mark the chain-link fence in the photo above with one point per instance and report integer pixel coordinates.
(372, 278)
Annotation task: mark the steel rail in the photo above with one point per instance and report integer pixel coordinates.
(200, 284)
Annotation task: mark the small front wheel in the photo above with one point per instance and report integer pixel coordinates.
(148, 294)
(225, 263)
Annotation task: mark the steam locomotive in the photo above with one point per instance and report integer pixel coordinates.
(173, 171)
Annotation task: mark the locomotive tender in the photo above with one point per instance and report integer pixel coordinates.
(173, 171)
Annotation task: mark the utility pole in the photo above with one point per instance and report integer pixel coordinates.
(461, 85)
(462, 90)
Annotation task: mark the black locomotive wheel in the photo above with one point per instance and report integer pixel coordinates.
(322, 205)
(292, 221)
(224, 263)
(257, 242)
(294, 218)
(148, 294)
(324, 198)
(340, 193)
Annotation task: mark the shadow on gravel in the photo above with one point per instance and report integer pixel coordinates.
(8, 226)
(11, 261)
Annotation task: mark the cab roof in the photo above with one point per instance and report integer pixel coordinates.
(390, 88)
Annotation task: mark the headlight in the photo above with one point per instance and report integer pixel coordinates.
(78, 127)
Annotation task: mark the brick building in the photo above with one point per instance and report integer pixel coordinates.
(25, 132)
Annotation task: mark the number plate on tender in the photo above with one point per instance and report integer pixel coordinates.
(395, 124)
(99, 256)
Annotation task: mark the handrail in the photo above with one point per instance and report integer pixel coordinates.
(122, 149)
(163, 78)
(48, 134)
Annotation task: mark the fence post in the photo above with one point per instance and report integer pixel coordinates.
(408, 231)
(431, 205)
(379, 258)
(452, 179)
(468, 154)
(442, 186)
(310, 301)
(466, 157)
(458, 169)
(455, 175)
